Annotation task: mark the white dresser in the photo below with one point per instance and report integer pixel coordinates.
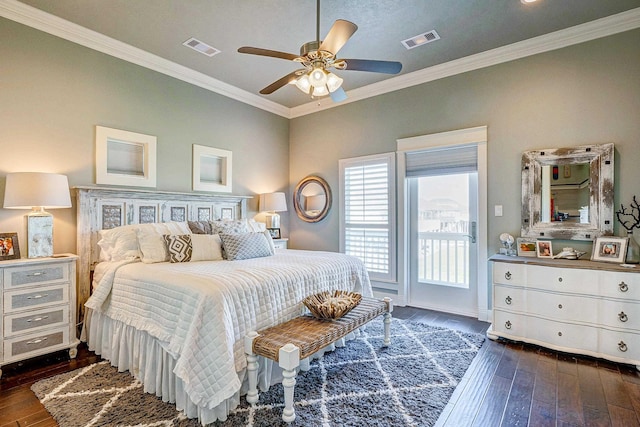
(38, 310)
(574, 306)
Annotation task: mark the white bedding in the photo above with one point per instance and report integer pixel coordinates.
(199, 312)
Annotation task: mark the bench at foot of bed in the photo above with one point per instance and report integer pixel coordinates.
(292, 342)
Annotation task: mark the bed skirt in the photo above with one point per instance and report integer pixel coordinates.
(146, 358)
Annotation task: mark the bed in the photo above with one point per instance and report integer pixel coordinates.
(179, 326)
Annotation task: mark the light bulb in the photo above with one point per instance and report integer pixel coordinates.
(303, 83)
(318, 77)
(333, 82)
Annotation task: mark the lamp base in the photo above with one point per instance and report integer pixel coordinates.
(273, 220)
(39, 234)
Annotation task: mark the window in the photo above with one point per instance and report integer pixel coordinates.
(367, 217)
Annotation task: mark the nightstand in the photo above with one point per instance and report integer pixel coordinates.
(280, 243)
(38, 307)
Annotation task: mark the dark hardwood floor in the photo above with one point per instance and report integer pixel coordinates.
(508, 384)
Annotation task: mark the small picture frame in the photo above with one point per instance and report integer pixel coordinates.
(274, 232)
(526, 247)
(609, 249)
(544, 249)
(9, 248)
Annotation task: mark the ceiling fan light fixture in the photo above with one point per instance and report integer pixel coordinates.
(320, 91)
(303, 83)
(333, 82)
(318, 77)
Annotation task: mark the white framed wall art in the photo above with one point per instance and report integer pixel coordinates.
(211, 169)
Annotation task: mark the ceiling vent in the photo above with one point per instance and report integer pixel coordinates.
(420, 39)
(201, 47)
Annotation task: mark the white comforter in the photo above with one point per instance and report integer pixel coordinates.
(201, 311)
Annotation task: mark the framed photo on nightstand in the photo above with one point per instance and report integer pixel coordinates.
(9, 248)
(274, 232)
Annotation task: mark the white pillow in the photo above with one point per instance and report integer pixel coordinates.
(118, 244)
(151, 243)
(256, 226)
(206, 247)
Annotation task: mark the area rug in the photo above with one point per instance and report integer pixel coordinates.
(364, 383)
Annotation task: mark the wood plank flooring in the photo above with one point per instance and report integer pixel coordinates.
(508, 384)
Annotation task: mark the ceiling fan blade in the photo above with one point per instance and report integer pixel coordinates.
(338, 95)
(267, 52)
(338, 35)
(388, 67)
(281, 82)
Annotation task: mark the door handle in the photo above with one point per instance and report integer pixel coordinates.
(472, 236)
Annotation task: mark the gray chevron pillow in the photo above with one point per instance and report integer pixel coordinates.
(245, 246)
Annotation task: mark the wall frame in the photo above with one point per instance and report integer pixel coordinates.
(212, 169)
(125, 158)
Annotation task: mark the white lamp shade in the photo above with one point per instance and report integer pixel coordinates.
(303, 83)
(26, 190)
(273, 202)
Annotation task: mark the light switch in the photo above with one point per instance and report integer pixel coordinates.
(498, 210)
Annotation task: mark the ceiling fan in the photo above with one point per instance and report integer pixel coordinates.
(317, 57)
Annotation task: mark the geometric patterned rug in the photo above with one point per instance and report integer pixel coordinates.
(406, 384)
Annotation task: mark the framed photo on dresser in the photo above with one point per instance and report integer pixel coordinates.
(9, 248)
(526, 247)
(609, 249)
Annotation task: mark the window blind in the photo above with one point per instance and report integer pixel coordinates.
(442, 161)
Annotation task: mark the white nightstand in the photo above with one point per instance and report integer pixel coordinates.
(280, 243)
(38, 307)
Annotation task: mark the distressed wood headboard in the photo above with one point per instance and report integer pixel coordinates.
(101, 208)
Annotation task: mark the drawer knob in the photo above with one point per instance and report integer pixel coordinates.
(559, 334)
(623, 287)
(37, 273)
(37, 341)
(560, 306)
(507, 275)
(38, 296)
(560, 279)
(37, 319)
(508, 300)
(507, 324)
(622, 346)
(623, 316)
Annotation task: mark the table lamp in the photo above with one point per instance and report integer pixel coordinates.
(273, 203)
(37, 191)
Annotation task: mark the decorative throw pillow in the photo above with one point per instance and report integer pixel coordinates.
(179, 247)
(245, 246)
(200, 227)
(230, 226)
(206, 247)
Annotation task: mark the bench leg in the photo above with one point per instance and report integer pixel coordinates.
(387, 322)
(289, 360)
(252, 367)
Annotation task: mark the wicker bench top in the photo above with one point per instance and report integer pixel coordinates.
(310, 334)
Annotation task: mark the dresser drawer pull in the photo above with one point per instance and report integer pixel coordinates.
(37, 319)
(560, 306)
(37, 341)
(508, 300)
(38, 296)
(37, 273)
(623, 316)
(507, 324)
(560, 279)
(559, 334)
(622, 346)
(507, 275)
(623, 287)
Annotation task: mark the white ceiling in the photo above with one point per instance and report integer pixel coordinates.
(157, 28)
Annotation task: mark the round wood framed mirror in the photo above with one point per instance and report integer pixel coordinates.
(312, 199)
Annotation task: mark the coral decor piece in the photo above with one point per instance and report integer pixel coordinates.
(629, 219)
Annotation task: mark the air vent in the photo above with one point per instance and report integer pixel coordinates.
(420, 39)
(201, 47)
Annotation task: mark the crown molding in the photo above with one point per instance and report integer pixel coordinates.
(43, 21)
(599, 28)
(35, 18)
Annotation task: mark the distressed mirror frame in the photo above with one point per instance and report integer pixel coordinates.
(298, 201)
(139, 170)
(223, 182)
(601, 192)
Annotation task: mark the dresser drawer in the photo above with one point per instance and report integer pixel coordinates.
(35, 320)
(509, 298)
(563, 307)
(577, 281)
(620, 285)
(35, 297)
(620, 314)
(40, 274)
(33, 344)
(624, 345)
(509, 274)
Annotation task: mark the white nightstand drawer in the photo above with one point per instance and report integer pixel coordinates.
(280, 243)
(33, 344)
(35, 297)
(16, 277)
(35, 320)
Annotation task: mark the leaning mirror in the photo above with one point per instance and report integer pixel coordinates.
(312, 199)
(567, 193)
